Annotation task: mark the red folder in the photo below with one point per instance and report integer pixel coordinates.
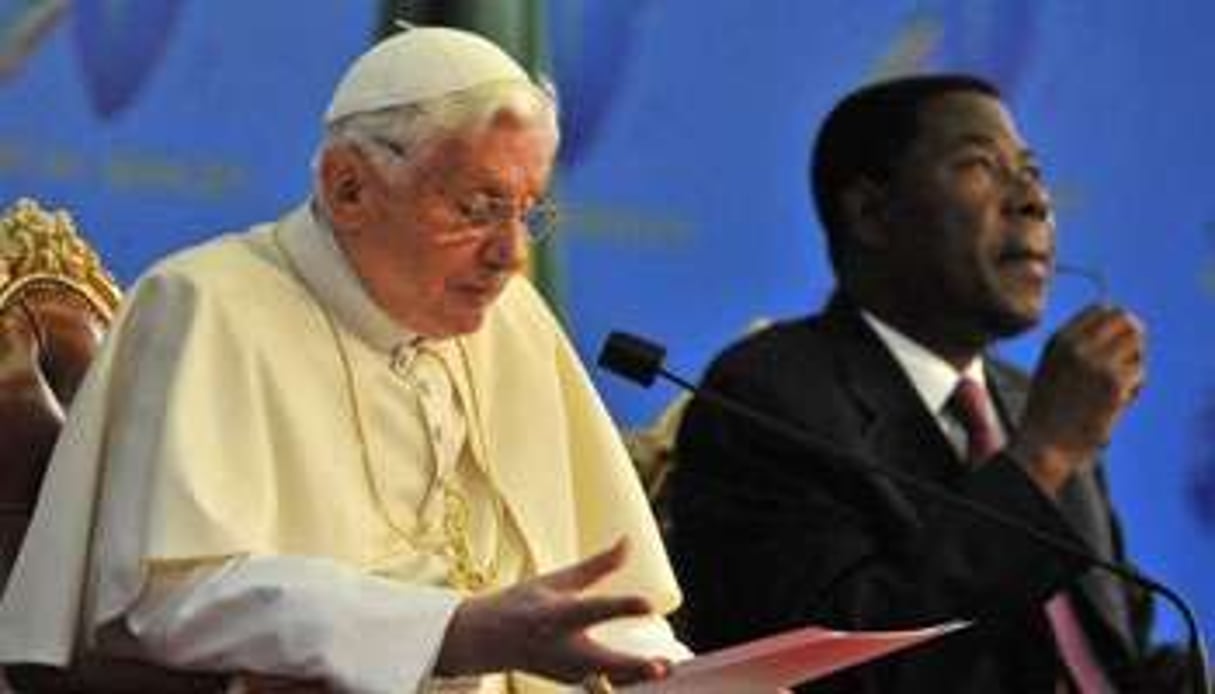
(774, 663)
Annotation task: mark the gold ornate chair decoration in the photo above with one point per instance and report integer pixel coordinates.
(56, 300)
(652, 449)
(43, 249)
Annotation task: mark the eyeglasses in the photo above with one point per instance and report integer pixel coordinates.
(487, 212)
(482, 213)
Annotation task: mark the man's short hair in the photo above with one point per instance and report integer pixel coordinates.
(866, 134)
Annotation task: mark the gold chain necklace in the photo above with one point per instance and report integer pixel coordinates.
(463, 572)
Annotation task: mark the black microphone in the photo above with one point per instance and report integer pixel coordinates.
(641, 361)
(637, 360)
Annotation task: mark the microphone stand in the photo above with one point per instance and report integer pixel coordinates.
(640, 361)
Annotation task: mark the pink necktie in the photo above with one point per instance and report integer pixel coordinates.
(969, 404)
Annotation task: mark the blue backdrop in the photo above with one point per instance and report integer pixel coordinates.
(161, 122)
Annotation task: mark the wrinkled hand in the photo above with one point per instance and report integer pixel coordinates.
(1091, 370)
(540, 626)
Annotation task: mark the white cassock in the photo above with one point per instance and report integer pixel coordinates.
(263, 472)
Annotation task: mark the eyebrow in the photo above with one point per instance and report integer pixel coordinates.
(989, 142)
(486, 182)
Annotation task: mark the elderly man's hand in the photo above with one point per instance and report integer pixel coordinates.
(540, 626)
(1091, 371)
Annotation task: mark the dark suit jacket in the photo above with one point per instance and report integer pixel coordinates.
(766, 536)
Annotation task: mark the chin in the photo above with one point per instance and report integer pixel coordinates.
(464, 324)
(1012, 313)
(1011, 323)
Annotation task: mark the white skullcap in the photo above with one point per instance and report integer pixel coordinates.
(418, 64)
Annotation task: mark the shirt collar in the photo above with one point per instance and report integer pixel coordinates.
(308, 240)
(933, 378)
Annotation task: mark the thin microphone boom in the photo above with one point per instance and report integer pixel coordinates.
(1094, 276)
(639, 360)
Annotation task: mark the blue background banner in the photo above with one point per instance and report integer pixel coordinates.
(159, 123)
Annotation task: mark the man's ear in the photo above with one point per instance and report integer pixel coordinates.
(345, 192)
(866, 207)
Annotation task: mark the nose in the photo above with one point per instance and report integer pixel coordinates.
(1030, 196)
(506, 250)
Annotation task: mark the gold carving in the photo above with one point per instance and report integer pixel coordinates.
(40, 247)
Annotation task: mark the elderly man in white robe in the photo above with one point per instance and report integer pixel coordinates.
(353, 446)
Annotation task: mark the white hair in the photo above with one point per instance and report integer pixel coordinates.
(396, 137)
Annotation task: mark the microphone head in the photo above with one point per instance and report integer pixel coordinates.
(632, 357)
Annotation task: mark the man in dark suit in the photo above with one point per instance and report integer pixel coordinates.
(942, 239)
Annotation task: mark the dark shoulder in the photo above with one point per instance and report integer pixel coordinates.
(799, 372)
(778, 362)
(799, 341)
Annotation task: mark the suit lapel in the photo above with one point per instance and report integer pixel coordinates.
(898, 428)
